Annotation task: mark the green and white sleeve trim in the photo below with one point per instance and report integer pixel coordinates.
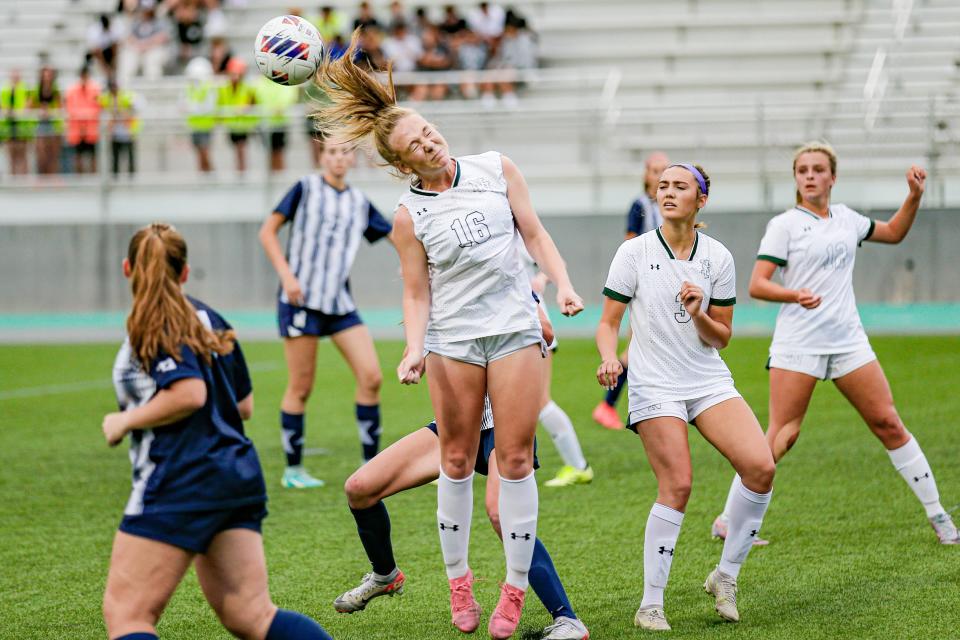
(723, 302)
(615, 295)
(780, 262)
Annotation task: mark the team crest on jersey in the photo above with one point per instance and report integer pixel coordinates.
(705, 268)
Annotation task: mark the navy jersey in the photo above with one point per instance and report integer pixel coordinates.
(644, 215)
(327, 225)
(204, 461)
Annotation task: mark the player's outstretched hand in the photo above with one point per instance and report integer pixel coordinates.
(569, 302)
(916, 180)
(608, 373)
(808, 299)
(410, 368)
(691, 296)
(114, 428)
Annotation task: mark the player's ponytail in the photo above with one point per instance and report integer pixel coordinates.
(360, 106)
(162, 319)
(706, 180)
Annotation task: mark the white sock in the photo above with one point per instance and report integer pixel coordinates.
(560, 428)
(454, 513)
(659, 542)
(518, 503)
(746, 516)
(730, 494)
(912, 465)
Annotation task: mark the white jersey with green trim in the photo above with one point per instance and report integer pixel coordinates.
(818, 254)
(667, 359)
(478, 284)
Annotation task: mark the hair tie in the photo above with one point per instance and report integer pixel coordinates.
(696, 174)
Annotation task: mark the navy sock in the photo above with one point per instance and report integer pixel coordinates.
(140, 635)
(368, 424)
(290, 625)
(546, 584)
(373, 525)
(292, 425)
(614, 394)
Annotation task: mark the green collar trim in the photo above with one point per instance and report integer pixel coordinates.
(693, 251)
(456, 181)
(812, 214)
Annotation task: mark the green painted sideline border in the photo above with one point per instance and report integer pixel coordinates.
(752, 319)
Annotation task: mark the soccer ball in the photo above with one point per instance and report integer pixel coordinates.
(288, 50)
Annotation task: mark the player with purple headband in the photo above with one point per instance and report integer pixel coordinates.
(679, 284)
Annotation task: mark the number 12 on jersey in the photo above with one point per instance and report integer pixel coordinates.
(471, 230)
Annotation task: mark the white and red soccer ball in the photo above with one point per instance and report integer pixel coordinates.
(288, 50)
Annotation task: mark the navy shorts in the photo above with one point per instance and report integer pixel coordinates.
(486, 448)
(194, 530)
(300, 321)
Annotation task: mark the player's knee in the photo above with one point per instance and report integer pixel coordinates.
(759, 478)
(456, 464)
(371, 381)
(245, 619)
(359, 492)
(675, 492)
(515, 464)
(120, 610)
(300, 389)
(889, 428)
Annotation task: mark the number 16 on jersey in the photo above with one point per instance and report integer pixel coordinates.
(471, 230)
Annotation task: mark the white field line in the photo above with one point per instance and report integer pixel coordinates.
(91, 385)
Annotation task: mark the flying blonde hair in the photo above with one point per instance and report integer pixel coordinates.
(815, 146)
(162, 319)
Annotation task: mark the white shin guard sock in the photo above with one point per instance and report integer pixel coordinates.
(560, 428)
(913, 466)
(454, 514)
(659, 543)
(746, 516)
(518, 503)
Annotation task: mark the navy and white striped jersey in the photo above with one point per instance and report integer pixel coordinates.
(644, 215)
(327, 225)
(203, 461)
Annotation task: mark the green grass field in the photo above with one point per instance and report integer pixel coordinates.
(852, 555)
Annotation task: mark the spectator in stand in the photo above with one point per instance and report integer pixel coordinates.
(145, 48)
(336, 47)
(103, 39)
(488, 21)
(17, 126)
(83, 122)
(452, 22)
(472, 55)
(275, 100)
(365, 18)
(201, 106)
(188, 16)
(236, 101)
(402, 48)
(47, 102)
(436, 57)
(421, 21)
(398, 15)
(371, 51)
(220, 54)
(517, 51)
(120, 108)
(330, 24)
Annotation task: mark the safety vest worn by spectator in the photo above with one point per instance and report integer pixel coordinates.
(123, 124)
(235, 106)
(18, 123)
(201, 107)
(83, 113)
(275, 101)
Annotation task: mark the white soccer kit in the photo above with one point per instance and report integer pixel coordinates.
(817, 254)
(668, 360)
(478, 284)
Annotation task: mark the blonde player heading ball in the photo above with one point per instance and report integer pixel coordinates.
(819, 335)
(467, 305)
(679, 284)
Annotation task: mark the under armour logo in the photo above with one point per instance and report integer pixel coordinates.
(808, 228)
(919, 478)
(655, 266)
(452, 527)
(754, 532)
(663, 551)
(423, 210)
(519, 536)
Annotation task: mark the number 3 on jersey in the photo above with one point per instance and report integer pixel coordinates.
(682, 316)
(471, 230)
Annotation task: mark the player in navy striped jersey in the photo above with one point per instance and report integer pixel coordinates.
(644, 216)
(198, 493)
(413, 461)
(328, 219)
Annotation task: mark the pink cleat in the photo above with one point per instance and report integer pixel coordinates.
(719, 530)
(607, 417)
(465, 608)
(506, 616)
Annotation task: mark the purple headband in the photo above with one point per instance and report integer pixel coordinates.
(696, 174)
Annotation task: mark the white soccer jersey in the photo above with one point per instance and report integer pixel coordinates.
(817, 254)
(478, 284)
(667, 358)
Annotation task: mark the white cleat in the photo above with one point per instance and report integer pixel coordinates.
(564, 628)
(369, 588)
(724, 589)
(946, 530)
(651, 619)
(719, 530)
